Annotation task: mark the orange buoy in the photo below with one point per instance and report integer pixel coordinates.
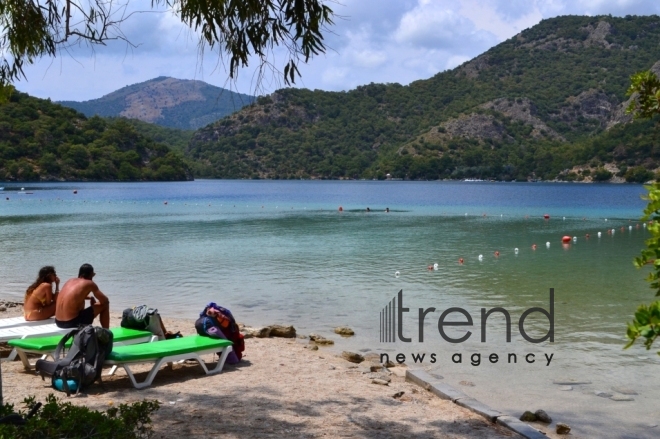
(533, 246)
(546, 216)
(586, 236)
(566, 239)
(341, 209)
(460, 261)
(497, 254)
(430, 267)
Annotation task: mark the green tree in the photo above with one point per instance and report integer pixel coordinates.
(645, 89)
(238, 29)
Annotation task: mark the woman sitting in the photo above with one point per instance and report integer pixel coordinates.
(39, 301)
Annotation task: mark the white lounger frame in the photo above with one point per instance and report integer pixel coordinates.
(7, 334)
(11, 322)
(169, 359)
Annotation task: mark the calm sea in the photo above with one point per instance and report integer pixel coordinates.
(282, 252)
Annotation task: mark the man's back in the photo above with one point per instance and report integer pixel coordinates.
(71, 299)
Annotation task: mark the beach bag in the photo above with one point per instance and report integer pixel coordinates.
(83, 362)
(143, 318)
(220, 323)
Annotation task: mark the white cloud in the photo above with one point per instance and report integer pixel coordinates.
(431, 25)
(371, 41)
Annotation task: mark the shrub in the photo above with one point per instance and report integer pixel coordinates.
(57, 419)
(602, 174)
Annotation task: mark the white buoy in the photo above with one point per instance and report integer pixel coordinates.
(564, 218)
(465, 213)
(397, 274)
(481, 257)
(612, 231)
(599, 234)
(515, 250)
(575, 239)
(501, 215)
(629, 227)
(435, 266)
(644, 225)
(605, 219)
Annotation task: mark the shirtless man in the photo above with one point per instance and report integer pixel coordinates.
(71, 311)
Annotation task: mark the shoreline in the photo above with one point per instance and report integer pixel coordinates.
(280, 389)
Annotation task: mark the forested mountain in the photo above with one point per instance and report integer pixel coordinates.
(40, 140)
(169, 102)
(545, 104)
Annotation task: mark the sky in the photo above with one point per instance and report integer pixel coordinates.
(380, 41)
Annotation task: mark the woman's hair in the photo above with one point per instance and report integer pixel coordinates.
(41, 278)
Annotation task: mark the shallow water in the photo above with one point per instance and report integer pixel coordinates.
(280, 251)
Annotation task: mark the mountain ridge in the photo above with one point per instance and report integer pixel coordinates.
(531, 107)
(175, 103)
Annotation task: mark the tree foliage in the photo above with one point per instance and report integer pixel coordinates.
(40, 140)
(551, 73)
(645, 89)
(57, 419)
(239, 29)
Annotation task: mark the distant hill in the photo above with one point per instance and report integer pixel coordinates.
(175, 103)
(40, 140)
(546, 104)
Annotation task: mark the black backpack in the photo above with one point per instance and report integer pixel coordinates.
(83, 363)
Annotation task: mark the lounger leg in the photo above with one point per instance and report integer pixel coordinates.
(24, 359)
(221, 360)
(113, 369)
(12, 355)
(150, 377)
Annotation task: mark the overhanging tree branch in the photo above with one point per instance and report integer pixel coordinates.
(239, 29)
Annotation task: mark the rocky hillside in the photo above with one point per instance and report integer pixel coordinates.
(40, 140)
(169, 102)
(541, 105)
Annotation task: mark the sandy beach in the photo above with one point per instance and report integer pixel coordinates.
(280, 389)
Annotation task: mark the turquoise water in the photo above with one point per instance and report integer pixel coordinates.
(281, 252)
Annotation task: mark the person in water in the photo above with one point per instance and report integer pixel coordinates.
(39, 301)
(71, 312)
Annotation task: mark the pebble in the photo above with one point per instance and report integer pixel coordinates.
(622, 398)
(382, 377)
(379, 381)
(331, 367)
(563, 428)
(344, 331)
(542, 416)
(323, 342)
(602, 394)
(3, 308)
(566, 388)
(466, 383)
(398, 394)
(528, 416)
(353, 357)
(624, 390)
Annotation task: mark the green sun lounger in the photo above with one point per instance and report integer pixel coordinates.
(167, 351)
(46, 346)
